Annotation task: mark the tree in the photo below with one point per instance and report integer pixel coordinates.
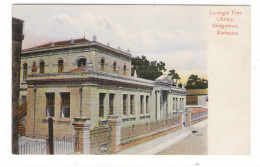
(173, 76)
(146, 69)
(180, 85)
(194, 82)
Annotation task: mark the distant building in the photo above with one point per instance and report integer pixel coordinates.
(83, 78)
(196, 106)
(197, 97)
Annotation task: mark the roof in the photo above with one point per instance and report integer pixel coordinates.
(59, 43)
(197, 91)
(79, 69)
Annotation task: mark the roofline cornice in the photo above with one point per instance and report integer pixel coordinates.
(75, 46)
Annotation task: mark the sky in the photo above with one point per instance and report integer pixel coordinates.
(168, 33)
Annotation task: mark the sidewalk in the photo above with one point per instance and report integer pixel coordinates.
(157, 145)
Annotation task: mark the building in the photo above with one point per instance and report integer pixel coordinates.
(197, 97)
(83, 78)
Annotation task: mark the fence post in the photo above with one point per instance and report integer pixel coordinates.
(50, 139)
(189, 119)
(114, 124)
(82, 129)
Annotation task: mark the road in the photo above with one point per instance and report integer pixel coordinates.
(195, 144)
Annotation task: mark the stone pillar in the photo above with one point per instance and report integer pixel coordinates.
(189, 119)
(158, 101)
(114, 124)
(82, 130)
(181, 120)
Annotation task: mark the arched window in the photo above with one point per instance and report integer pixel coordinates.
(82, 62)
(124, 69)
(60, 66)
(114, 67)
(41, 67)
(25, 68)
(102, 64)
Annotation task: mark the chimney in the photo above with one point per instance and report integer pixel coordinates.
(94, 38)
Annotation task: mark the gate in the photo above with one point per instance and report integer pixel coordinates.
(100, 140)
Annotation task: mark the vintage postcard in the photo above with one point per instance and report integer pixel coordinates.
(130, 79)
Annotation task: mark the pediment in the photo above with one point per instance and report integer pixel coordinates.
(164, 79)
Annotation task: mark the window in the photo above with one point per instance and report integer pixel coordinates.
(114, 67)
(101, 104)
(41, 67)
(173, 106)
(124, 69)
(60, 66)
(132, 104)
(102, 64)
(50, 102)
(141, 105)
(25, 68)
(111, 104)
(23, 99)
(147, 104)
(124, 104)
(82, 62)
(65, 105)
(177, 107)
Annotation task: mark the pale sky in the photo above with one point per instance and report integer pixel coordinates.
(172, 34)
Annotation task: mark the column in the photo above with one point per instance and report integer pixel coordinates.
(82, 130)
(158, 96)
(114, 124)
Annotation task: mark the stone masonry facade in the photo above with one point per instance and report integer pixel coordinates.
(95, 90)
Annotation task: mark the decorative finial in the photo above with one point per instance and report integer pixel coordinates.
(72, 41)
(108, 44)
(52, 43)
(135, 74)
(94, 38)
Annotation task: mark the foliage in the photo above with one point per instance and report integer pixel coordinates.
(146, 69)
(180, 85)
(173, 76)
(194, 82)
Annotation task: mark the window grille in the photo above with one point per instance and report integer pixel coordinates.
(65, 105)
(111, 104)
(141, 105)
(50, 103)
(41, 67)
(114, 67)
(101, 104)
(60, 66)
(147, 104)
(124, 69)
(102, 64)
(25, 68)
(124, 104)
(132, 104)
